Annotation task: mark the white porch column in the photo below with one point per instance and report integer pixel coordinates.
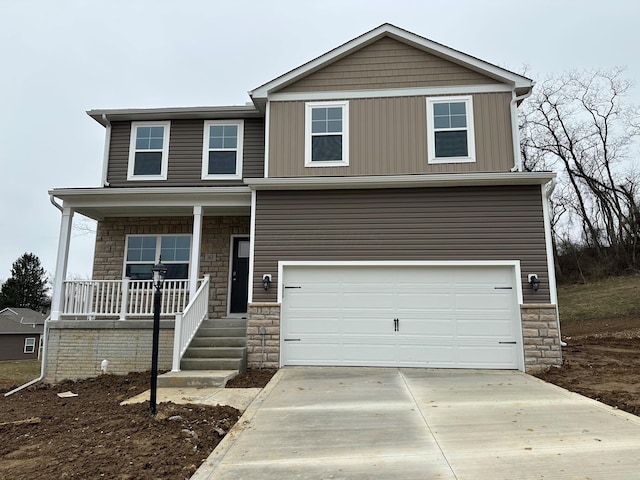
(196, 240)
(61, 262)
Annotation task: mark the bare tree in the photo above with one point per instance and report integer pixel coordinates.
(580, 125)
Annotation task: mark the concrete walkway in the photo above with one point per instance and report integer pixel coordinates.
(363, 423)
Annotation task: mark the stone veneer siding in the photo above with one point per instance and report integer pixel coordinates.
(541, 337)
(263, 315)
(214, 251)
(76, 349)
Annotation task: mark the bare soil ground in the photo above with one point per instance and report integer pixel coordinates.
(92, 436)
(602, 361)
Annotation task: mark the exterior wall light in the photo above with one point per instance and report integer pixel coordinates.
(266, 281)
(534, 281)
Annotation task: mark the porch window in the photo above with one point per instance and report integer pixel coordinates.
(144, 251)
(29, 345)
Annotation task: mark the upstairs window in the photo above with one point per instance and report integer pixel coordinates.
(148, 151)
(450, 136)
(144, 251)
(327, 134)
(222, 154)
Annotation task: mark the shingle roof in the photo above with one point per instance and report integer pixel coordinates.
(10, 326)
(24, 315)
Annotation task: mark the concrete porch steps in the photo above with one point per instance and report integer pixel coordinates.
(220, 345)
(196, 378)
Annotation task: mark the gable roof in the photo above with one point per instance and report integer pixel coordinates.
(25, 316)
(12, 326)
(521, 84)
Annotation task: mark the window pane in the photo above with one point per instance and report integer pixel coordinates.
(334, 113)
(319, 114)
(318, 126)
(141, 249)
(441, 122)
(155, 143)
(451, 144)
(458, 121)
(149, 242)
(177, 270)
(216, 142)
(334, 126)
(148, 163)
(222, 163)
(326, 148)
(135, 242)
(441, 109)
(139, 271)
(457, 108)
(183, 242)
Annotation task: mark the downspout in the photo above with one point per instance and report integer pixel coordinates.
(53, 202)
(107, 146)
(43, 364)
(515, 131)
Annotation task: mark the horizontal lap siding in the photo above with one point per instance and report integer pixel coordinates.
(387, 63)
(465, 223)
(388, 136)
(185, 154)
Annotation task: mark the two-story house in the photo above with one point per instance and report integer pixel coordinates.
(366, 208)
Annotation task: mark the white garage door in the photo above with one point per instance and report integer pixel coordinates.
(446, 317)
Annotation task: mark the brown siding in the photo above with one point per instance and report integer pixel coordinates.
(185, 154)
(463, 223)
(387, 63)
(12, 346)
(388, 136)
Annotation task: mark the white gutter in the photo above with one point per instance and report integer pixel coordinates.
(515, 131)
(107, 147)
(53, 202)
(43, 364)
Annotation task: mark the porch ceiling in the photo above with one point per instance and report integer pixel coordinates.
(98, 203)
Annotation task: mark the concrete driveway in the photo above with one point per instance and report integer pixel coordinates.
(387, 423)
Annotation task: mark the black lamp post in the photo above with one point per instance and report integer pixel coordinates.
(159, 271)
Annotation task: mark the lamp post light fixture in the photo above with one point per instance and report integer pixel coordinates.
(159, 271)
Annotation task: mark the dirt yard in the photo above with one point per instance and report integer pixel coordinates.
(91, 436)
(602, 361)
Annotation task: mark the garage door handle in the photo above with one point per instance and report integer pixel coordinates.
(396, 324)
(291, 339)
(507, 343)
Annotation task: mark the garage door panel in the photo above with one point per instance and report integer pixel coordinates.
(447, 316)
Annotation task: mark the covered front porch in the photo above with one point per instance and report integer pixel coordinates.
(201, 233)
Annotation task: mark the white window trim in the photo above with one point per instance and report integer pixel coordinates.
(33, 347)
(239, 155)
(165, 151)
(431, 143)
(309, 106)
(158, 249)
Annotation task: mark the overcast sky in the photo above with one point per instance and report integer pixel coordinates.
(59, 58)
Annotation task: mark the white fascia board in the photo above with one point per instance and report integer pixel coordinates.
(398, 92)
(500, 74)
(400, 181)
(172, 113)
(91, 201)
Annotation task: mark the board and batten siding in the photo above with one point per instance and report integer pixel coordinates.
(403, 224)
(387, 63)
(185, 155)
(388, 136)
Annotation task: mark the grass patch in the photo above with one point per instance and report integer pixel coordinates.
(18, 372)
(610, 299)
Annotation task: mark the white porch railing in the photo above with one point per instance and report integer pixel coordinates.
(121, 298)
(188, 322)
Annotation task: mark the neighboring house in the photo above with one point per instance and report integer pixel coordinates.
(20, 332)
(367, 208)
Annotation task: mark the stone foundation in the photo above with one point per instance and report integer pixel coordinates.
(265, 315)
(541, 337)
(75, 349)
